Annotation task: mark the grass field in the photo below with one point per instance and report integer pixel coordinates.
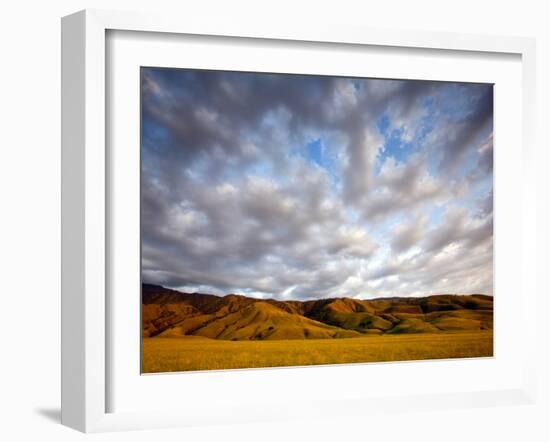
(197, 353)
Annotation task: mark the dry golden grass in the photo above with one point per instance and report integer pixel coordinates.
(198, 353)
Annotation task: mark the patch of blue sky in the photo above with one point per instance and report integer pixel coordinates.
(263, 169)
(435, 214)
(314, 152)
(395, 146)
(352, 215)
(383, 124)
(318, 153)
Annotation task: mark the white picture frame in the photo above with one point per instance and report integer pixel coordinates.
(85, 211)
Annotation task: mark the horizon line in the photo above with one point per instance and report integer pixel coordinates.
(316, 299)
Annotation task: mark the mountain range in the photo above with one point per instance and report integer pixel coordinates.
(170, 313)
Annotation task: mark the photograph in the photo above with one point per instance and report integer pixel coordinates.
(293, 220)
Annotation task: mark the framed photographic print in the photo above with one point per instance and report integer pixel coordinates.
(253, 209)
(300, 220)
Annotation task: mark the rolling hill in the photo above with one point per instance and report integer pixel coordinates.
(169, 313)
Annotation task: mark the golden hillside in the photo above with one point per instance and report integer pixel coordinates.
(169, 313)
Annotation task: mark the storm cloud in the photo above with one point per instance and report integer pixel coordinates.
(299, 186)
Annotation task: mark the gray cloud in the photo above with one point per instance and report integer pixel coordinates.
(406, 236)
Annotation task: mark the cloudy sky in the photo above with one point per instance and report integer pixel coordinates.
(299, 187)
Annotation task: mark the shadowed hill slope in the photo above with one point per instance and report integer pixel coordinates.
(167, 312)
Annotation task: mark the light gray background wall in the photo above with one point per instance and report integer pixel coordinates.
(30, 219)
